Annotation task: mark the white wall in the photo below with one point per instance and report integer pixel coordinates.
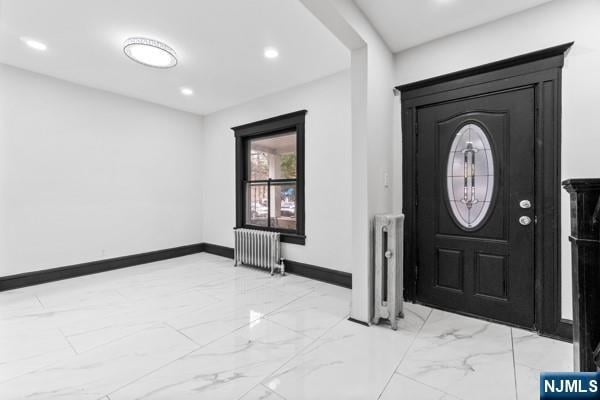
(372, 77)
(554, 23)
(86, 175)
(327, 170)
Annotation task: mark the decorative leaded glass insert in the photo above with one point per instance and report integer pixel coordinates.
(470, 176)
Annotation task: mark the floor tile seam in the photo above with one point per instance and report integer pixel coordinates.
(404, 355)
(93, 330)
(522, 364)
(245, 324)
(516, 386)
(180, 358)
(287, 304)
(150, 372)
(68, 341)
(260, 384)
(166, 324)
(50, 365)
(429, 386)
(268, 318)
(39, 301)
(53, 364)
(298, 353)
(112, 341)
(233, 309)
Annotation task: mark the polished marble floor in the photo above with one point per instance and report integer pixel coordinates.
(198, 328)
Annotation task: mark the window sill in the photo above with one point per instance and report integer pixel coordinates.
(286, 237)
(293, 238)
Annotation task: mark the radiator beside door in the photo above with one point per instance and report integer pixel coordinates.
(388, 295)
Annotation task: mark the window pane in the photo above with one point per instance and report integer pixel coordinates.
(272, 157)
(257, 205)
(470, 176)
(283, 206)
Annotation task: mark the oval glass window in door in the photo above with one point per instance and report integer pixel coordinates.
(470, 176)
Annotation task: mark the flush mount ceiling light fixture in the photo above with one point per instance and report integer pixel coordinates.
(150, 52)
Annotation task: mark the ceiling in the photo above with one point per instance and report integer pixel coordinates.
(219, 44)
(407, 23)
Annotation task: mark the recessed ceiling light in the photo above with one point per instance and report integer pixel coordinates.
(186, 91)
(271, 52)
(34, 44)
(150, 52)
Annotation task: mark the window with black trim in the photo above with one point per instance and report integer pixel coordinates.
(270, 176)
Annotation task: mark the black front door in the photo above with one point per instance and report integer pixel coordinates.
(475, 216)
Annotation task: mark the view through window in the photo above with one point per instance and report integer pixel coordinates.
(271, 184)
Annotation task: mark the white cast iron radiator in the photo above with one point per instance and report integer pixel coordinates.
(258, 248)
(389, 237)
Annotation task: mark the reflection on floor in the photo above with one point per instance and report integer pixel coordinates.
(198, 328)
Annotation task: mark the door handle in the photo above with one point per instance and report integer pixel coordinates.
(524, 220)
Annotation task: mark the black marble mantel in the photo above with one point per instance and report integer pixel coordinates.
(585, 246)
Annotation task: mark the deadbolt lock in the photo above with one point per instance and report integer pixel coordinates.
(525, 204)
